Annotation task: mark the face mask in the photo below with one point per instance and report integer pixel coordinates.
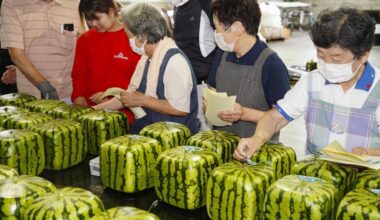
(336, 73)
(219, 39)
(138, 50)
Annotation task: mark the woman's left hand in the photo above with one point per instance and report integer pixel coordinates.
(132, 99)
(96, 98)
(231, 115)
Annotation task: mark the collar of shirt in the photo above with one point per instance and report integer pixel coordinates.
(366, 80)
(250, 57)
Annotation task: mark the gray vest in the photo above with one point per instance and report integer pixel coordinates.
(244, 82)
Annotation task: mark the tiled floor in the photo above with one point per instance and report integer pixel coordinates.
(297, 50)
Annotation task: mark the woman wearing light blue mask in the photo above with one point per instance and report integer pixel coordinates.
(163, 84)
(340, 99)
(244, 66)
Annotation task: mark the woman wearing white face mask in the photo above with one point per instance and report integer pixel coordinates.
(340, 99)
(245, 66)
(163, 84)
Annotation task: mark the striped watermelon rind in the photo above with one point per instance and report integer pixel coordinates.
(182, 173)
(64, 141)
(237, 190)
(26, 120)
(43, 105)
(71, 112)
(16, 99)
(223, 142)
(368, 179)
(343, 177)
(360, 204)
(6, 172)
(125, 213)
(66, 204)
(169, 134)
(301, 197)
(103, 125)
(280, 157)
(22, 150)
(18, 192)
(6, 111)
(127, 163)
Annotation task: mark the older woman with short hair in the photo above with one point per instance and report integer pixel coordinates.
(164, 83)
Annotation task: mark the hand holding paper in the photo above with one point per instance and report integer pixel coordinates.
(217, 102)
(138, 112)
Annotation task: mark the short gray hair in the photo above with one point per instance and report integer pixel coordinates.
(145, 20)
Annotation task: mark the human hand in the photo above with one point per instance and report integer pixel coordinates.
(80, 100)
(132, 99)
(245, 149)
(9, 76)
(359, 151)
(97, 98)
(231, 115)
(47, 90)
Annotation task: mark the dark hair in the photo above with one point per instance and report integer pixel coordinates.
(246, 11)
(346, 27)
(88, 8)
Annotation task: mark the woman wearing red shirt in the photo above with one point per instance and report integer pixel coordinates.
(103, 56)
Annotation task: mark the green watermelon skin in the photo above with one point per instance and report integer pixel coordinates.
(43, 105)
(182, 173)
(70, 112)
(343, 177)
(6, 111)
(223, 142)
(22, 150)
(360, 204)
(6, 172)
(26, 120)
(237, 190)
(64, 141)
(368, 179)
(103, 125)
(18, 192)
(16, 99)
(169, 134)
(127, 163)
(125, 213)
(67, 203)
(301, 197)
(280, 157)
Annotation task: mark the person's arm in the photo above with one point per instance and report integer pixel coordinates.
(32, 74)
(268, 125)
(292, 106)
(240, 113)
(26, 66)
(137, 99)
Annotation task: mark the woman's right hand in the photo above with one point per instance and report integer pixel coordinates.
(80, 101)
(245, 149)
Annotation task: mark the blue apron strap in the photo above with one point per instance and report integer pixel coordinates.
(142, 86)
